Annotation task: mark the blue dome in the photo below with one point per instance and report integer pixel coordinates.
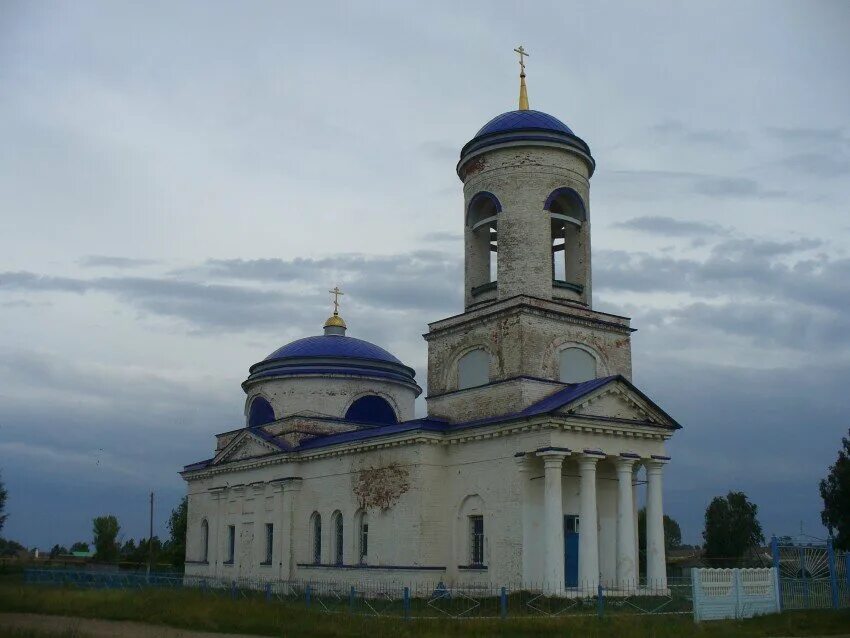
(524, 120)
(336, 346)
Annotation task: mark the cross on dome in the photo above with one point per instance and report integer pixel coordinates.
(335, 325)
(523, 92)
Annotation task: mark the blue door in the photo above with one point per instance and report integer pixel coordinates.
(571, 550)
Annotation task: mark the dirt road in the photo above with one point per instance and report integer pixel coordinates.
(91, 628)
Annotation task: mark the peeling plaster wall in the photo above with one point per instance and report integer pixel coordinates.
(521, 178)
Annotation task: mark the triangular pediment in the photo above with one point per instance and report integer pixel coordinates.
(245, 445)
(621, 401)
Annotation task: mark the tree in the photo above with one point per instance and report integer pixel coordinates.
(58, 550)
(835, 492)
(731, 528)
(672, 535)
(672, 531)
(79, 546)
(177, 527)
(3, 495)
(106, 530)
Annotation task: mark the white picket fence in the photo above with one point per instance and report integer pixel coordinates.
(734, 593)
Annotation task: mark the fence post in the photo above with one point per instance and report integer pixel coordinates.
(833, 576)
(406, 603)
(268, 592)
(307, 596)
(600, 601)
(503, 602)
(233, 589)
(774, 551)
(351, 600)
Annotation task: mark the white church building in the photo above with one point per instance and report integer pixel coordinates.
(525, 469)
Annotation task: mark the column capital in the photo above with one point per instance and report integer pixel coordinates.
(656, 462)
(589, 458)
(553, 452)
(625, 462)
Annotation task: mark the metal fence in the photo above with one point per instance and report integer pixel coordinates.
(436, 600)
(812, 575)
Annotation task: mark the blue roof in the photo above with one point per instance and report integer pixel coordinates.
(555, 401)
(337, 346)
(524, 120)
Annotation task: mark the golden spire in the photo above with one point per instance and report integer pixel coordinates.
(335, 322)
(523, 92)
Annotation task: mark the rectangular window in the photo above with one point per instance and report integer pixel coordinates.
(269, 543)
(364, 541)
(476, 540)
(231, 543)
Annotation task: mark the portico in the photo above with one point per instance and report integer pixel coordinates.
(600, 491)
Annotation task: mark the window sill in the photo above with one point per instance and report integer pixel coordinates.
(266, 563)
(227, 562)
(473, 568)
(480, 290)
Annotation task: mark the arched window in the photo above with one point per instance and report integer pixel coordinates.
(568, 214)
(316, 538)
(260, 413)
(205, 541)
(361, 540)
(371, 409)
(336, 520)
(482, 240)
(473, 369)
(576, 365)
(472, 539)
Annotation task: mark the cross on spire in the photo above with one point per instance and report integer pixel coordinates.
(336, 292)
(522, 54)
(523, 92)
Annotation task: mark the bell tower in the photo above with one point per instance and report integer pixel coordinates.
(528, 327)
(526, 184)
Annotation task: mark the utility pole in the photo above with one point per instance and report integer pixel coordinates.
(150, 542)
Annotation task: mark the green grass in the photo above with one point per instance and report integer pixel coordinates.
(207, 612)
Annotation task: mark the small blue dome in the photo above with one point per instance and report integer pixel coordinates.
(524, 120)
(337, 346)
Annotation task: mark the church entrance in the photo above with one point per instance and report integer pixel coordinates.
(571, 550)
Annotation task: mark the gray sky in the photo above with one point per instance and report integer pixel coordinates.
(182, 182)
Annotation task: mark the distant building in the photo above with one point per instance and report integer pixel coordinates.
(523, 471)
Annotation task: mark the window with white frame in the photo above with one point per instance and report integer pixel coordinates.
(317, 538)
(269, 543)
(338, 536)
(231, 544)
(362, 537)
(476, 539)
(205, 540)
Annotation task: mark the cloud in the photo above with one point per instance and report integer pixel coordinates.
(661, 184)
(103, 261)
(670, 227)
(676, 131)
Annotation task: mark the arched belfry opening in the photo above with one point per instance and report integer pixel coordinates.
(568, 219)
(482, 242)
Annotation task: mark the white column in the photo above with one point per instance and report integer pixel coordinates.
(625, 523)
(588, 540)
(553, 519)
(635, 472)
(656, 567)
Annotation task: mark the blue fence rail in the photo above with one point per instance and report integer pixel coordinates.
(812, 575)
(435, 600)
